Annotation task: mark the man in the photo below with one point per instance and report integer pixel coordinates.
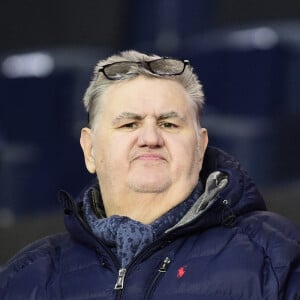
(169, 217)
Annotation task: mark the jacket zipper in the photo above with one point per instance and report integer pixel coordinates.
(120, 280)
(119, 285)
(162, 269)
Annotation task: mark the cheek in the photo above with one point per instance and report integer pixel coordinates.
(196, 153)
(99, 158)
(187, 153)
(110, 152)
(100, 145)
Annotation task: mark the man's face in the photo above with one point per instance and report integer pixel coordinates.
(146, 138)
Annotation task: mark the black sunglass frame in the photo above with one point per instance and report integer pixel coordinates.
(146, 64)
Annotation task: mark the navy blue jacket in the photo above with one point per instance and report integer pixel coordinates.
(227, 247)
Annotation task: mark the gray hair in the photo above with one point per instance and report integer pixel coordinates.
(99, 84)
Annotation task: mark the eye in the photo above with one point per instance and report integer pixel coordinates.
(168, 125)
(129, 125)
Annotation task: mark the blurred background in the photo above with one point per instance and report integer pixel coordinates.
(246, 53)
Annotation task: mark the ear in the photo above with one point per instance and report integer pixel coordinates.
(87, 148)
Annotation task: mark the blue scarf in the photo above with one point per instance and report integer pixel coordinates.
(126, 237)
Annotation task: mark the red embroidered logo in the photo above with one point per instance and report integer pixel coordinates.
(181, 272)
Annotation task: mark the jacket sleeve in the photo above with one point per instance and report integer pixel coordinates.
(286, 253)
(28, 275)
(23, 279)
(280, 239)
(293, 285)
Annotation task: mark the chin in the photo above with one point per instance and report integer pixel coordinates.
(149, 187)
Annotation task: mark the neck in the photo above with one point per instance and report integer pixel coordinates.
(142, 207)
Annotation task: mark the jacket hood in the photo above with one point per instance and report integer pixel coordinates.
(240, 191)
(233, 198)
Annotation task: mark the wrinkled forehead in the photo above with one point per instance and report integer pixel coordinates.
(144, 95)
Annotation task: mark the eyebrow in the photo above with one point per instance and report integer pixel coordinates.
(171, 115)
(137, 117)
(126, 116)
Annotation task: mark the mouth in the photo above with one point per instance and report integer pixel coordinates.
(149, 157)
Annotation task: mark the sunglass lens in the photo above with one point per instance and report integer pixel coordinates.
(118, 70)
(167, 66)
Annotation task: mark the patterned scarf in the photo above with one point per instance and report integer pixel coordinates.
(126, 237)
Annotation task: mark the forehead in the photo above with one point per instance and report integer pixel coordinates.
(145, 95)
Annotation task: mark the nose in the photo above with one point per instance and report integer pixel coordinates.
(150, 136)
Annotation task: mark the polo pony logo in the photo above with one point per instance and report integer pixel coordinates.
(181, 271)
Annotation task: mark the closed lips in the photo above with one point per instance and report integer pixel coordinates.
(150, 156)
